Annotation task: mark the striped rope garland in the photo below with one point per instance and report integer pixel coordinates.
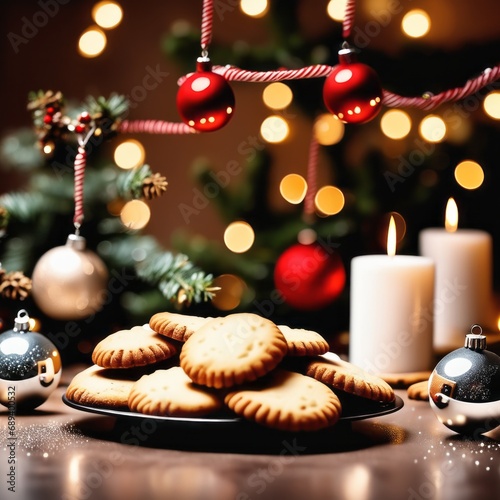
(206, 24)
(79, 168)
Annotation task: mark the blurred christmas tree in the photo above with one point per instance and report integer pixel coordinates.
(143, 277)
(412, 176)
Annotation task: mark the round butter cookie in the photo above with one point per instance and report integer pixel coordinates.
(176, 326)
(347, 377)
(102, 387)
(419, 390)
(286, 401)
(135, 347)
(172, 393)
(303, 342)
(238, 348)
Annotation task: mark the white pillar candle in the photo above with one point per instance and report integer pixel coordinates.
(463, 294)
(391, 313)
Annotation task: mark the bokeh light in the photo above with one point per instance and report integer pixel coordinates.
(395, 124)
(307, 236)
(239, 236)
(329, 200)
(416, 23)
(231, 292)
(277, 95)
(293, 188)
(274, 129)
(432, 128)
(129, 154)
(107, 14)
(92, 42)
(328, 129)
(491, 105)
(336, 9)
(135, 214)
(254, 8)
(469, 174)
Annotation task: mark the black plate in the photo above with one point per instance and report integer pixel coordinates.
(353, 407)
(230, 434)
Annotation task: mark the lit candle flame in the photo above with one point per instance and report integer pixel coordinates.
(391, 238)
(498, 323)
(451, 216)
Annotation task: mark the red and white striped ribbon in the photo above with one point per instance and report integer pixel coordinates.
(312, 176)
(433, 101)
(232, 73)
(348, 22)
(155, 127)
(206, 24)
(79, 167)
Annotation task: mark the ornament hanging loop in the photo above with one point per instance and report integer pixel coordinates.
(477, 328)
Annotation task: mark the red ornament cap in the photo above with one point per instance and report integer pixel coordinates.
(205, 100)
(352, 91)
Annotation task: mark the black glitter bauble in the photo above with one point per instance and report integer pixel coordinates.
(30, 366)
(464, 388)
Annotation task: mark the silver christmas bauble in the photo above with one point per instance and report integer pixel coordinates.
(464, 387)
(30, 366)
(69, 282)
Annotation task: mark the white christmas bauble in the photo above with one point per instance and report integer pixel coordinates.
(69, 282)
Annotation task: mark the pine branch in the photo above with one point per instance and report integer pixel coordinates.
(178, 279)
(140, 182)
(24, 207)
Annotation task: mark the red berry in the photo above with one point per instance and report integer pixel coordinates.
(79, 129)
(84, 117)
(50, 110)
(47, 119)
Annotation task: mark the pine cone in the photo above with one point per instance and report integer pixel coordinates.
(15, 285)
(154, 186)
(4, 217)
(42, 100)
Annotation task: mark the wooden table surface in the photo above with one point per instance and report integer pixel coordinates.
(64, 453)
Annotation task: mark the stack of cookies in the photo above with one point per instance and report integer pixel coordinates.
(186, 366)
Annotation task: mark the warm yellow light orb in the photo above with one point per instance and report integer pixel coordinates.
(469, 174)
(293, 188)
(231, 292)
(239, 237)
(395, 124)
(329, 200)
(274, 129)
(336, 9)
(135, 214)
(432, 128)
(277, 95)
(92, 42)
(328, 130)
(254, 8)
(416, 23)
(107, 14)
(491, 105)
(129, 154)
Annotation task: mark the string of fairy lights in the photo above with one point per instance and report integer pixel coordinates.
(395, 126)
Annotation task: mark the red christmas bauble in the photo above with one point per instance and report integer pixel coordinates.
(352, 91)
(309, 276)
(205, 100)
